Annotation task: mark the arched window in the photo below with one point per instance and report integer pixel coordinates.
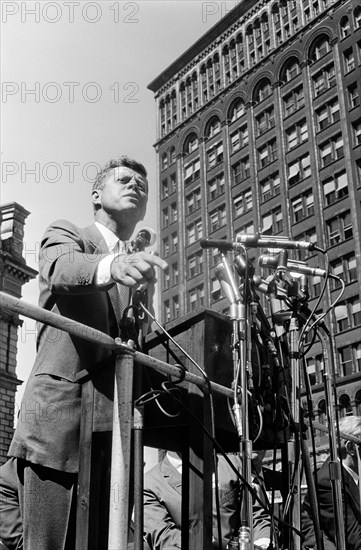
(213, 127)
(190, 144)
(262, 90)
(290, 70)
(357, 17)
(345, 28)
(237, 110)
(164, 163)
(320, 48)
(345, 405)
(321, 412)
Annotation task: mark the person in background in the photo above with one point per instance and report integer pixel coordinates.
(349, 455)
(163, 503)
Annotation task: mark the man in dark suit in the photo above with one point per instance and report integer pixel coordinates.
(162, 505)
(350, 495)
(86, 275)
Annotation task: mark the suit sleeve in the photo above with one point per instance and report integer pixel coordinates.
(67, 263)
(352, 515)
(161, 532)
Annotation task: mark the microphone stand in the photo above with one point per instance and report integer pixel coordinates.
(335, 464)
(241, 369)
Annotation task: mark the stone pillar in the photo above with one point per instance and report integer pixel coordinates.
(13, 274)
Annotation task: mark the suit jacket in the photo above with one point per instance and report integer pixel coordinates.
(47, 431)
(352, 512)
(162, 506)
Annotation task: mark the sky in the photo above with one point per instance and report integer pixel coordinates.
(74, 95)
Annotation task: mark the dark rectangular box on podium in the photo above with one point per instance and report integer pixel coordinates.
(205, 336)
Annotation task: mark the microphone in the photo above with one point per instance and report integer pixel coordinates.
(229, 287)
(145, 237)
(255, 241)
(272, 261)
(258, 241)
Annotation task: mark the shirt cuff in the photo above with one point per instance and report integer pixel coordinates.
(263, 543)
(102, 275)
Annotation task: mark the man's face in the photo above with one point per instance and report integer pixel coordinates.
(125, 193)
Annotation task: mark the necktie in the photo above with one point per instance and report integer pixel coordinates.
(122, 290)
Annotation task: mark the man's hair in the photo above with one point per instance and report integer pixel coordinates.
(350, 425)
(115, 163)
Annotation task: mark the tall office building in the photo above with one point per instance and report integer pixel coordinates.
(259, 130)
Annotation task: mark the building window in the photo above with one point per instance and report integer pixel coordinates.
(166, 279)
(165, 218)
(345, 28)
(243, 202)
(345, 405)
(217, 218)
(241, 170)
(357, 17)
(292, 70)
(196, 298)
(173, 183)
(265, 120)
(173, 212)
(164, 162)
(310, 236)
(165, 189)
(350, 359)
(191, 171)
(299, 169)
(247, 229)
(191, 144)
(356, 132)
(293, 101)
(323, 80)
(353, 96)
(239, 138)
(166, 311)
(213, 128)
(165, 247)
(272, 222)
(262, 91)
(339, 228)
(296, 134)
(348, 60)
(302, 206)
(195, 264)
(335, 188)
(216, 186)
(267, 153)
(328, 114)
(237, 110)
(215, 290)
(193, 201)
(331, 150)
(172, 155)
(270, 186)
(321, 48)
(174, 242)
(174, 274)
(175, 307)
(194, 231)
(214, 155)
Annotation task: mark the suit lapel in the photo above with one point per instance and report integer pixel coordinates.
(172, 476)
(98, 245)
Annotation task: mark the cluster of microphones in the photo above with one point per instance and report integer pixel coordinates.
(277, 261)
